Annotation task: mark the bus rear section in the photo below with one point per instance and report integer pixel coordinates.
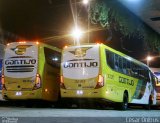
(80, 72)
(20, 79)
(31, 71)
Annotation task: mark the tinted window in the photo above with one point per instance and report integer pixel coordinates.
(116, 62)
(110, 59)
(120, 63)
(125, 66)
(52, 57)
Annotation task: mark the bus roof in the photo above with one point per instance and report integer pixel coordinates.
(125, 56)
(113, 50)
(38, 43)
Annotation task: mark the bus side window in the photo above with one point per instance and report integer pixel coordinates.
(153, 79)
(132, 67)
(116, 66)
(110, 59)
(52, 57)
(141, 73)
(128, 67)
(136, 70)
(120, 64)
(124, 66)
(146, 73)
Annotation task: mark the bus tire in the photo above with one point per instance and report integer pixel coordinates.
(148, 106)
(124, 104)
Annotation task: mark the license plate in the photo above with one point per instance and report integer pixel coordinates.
(18, 93)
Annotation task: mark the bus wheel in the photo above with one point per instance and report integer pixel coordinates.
(124, 104)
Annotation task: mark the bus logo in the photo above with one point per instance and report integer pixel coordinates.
(20, 49)
(80, 52)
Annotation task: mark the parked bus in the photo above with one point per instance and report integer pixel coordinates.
(2, 48)
(156, 76)
(31, 71)
(98, 72)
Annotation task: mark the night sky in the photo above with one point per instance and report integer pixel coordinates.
(42, 19)
(35, 18)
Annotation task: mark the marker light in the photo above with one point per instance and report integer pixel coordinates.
(98, 43)
(65, 47)
(22, 42)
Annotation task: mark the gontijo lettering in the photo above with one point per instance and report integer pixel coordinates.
(19, 62)
(80, 64)
(126, 81)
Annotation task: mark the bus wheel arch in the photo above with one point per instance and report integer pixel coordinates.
(124, 104)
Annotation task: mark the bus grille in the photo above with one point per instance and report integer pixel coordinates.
(28, 68)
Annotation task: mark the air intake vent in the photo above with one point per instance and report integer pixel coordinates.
(155, 19)
(28, 68)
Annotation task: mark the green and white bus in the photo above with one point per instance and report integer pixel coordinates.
(31, 71)
(98, 72)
